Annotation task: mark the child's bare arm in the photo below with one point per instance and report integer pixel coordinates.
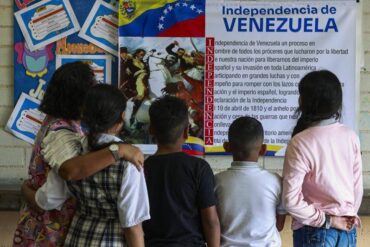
(280, 221)
(134, 236)
(86, 165)
(29, 195)
(211, 226)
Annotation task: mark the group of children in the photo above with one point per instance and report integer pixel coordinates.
(112, 197)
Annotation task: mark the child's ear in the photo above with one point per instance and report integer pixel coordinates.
(186, 133)
(263, 150)
(227, 147)
(123, 116)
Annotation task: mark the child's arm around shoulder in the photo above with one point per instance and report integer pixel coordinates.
(88, 164)
(63, 148)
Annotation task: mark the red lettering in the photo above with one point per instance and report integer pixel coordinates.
(209, 91)
(210, 41)
(209, 74)
(210, 66)
(209, 107)
(209, 141)
(208, 132)
(209, 99)
(208, 115)
(208, 124)
(210, 83)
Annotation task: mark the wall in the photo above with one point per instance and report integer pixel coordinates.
(14, 154)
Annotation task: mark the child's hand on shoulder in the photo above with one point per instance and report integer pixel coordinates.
(132, 154)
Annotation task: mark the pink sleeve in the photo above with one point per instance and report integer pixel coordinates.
(296, 166)
(357, 176)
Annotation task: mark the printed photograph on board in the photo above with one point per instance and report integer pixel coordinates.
(152, 67)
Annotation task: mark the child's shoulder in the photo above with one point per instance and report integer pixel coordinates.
(270, 180)
(180, 158)
(318, 133)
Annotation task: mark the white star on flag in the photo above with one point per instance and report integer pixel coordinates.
(199, 11)
(192, 7)
(165, 11)
(185, 4)
(170, 8)
(177, 5)
(160, 26)
(162, 18)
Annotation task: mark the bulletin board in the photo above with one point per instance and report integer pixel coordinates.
(50, 33)
(241, 58)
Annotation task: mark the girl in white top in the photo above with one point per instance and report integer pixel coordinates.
(107, 202)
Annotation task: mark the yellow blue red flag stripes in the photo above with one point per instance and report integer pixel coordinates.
(153, 18)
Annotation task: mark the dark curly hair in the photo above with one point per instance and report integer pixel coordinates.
(320, 95)
(102, 109)
(66, 91)
(168, 118)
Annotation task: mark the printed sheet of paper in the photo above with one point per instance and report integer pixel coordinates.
(101, 27)
(47, 21)
(26, 119)
(101, 65)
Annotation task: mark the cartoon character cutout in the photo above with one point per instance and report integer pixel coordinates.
(35, 62)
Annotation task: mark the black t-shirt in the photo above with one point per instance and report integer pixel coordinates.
(179, 186)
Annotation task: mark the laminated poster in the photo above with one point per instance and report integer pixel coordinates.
(101, 65)
(101, 27)
(248, 57)
(26, 119)
(46, 21)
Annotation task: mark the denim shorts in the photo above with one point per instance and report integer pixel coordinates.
(308, 236)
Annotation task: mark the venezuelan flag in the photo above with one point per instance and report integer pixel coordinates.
(193, 146)
(162, 18)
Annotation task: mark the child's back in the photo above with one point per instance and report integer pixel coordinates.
(179, 186)
(248, 197)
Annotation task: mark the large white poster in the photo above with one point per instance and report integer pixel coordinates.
(256, 53)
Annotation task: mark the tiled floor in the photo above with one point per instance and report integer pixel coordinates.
(8, 221)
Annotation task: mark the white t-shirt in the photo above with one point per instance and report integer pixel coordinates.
(132, 201)
(248, 201)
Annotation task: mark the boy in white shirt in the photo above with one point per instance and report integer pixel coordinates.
(248, 196)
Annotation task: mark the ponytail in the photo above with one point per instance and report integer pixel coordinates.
(103, 108)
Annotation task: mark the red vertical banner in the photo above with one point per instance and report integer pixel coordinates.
(209, 91)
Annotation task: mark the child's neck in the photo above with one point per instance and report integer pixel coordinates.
(245, 159)
(169, 148)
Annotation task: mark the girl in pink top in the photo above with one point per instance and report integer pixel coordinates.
(322, 185)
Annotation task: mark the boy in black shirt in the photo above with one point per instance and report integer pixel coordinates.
(180, 187)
